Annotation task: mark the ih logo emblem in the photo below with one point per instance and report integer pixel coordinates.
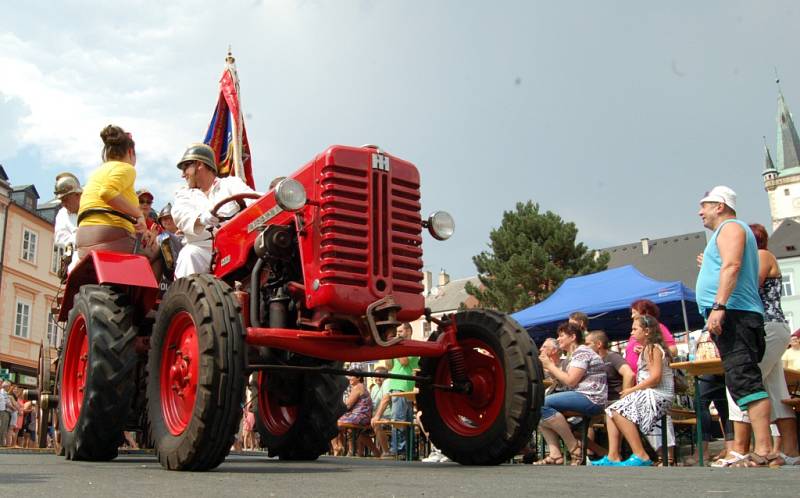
(380, 162)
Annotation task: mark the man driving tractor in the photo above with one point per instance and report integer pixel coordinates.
(194, 203)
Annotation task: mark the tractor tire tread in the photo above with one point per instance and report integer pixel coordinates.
(109, 386)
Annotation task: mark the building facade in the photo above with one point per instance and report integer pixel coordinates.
(785, 245)
(445, 297)
(29, 285)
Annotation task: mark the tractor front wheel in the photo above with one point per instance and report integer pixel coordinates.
(495, 420)
(296, 415)
(96, 374)
(196, 374)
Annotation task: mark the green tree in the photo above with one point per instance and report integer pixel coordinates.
(530, 255)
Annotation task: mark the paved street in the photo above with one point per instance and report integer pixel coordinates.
(34, 475)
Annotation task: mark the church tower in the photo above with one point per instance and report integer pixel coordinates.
(782, 181)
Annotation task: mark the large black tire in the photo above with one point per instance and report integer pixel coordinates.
(104, 317)
(491, 425)
(307, 432)
(200, 314)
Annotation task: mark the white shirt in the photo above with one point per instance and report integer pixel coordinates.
(66, 227)
(192, 206)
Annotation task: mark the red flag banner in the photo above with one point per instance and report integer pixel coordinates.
(226, 133)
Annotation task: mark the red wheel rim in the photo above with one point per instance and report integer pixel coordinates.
(472, 414)
(179, 372)
(276, 418)
(76, 368)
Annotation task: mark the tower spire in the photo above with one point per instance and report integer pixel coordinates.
(788, 146)
(768, 164)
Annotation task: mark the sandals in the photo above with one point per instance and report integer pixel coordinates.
(576, 454)
(732, 458)
(790, 461)
(549, 460)
(752, 460)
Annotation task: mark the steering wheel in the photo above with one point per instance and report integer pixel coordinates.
(238, 199)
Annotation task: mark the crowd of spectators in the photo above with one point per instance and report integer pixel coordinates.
(637, 392)
(587, 378)
(17, 418)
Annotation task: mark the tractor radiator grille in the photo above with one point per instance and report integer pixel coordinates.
(371, 230)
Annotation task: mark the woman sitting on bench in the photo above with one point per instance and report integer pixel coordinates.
(358, 415)
(586, 394)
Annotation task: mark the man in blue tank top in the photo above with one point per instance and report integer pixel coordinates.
(727, 295)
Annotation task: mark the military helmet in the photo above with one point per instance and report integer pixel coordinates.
(165, 211)
(199, 152)
(66, 183)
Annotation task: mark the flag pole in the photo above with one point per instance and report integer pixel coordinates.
(238, 166)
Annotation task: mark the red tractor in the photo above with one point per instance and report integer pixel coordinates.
(312, 274)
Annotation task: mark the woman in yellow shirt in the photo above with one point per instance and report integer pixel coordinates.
(109, 216)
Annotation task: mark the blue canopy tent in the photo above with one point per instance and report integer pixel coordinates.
(606, 297)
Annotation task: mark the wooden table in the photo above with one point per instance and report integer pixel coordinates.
(714, 367)
(696, 369)
(409, 395)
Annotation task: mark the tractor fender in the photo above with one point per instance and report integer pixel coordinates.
(105, 267)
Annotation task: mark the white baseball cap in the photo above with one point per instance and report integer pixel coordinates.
(722, 194)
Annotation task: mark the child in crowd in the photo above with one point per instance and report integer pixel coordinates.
(643, 405)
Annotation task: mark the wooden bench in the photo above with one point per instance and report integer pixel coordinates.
(355, 432)
(409, 427)
(685, 422)
(586, 423)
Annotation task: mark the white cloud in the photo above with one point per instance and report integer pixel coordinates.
(71, 94)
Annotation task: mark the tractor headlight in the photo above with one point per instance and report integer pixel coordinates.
(290, 194)
(441, 225)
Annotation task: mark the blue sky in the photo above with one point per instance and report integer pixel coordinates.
(615, 115)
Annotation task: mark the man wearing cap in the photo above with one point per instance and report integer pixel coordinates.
(193, 203)
(68, 191)
(146, 205)
(727, 295)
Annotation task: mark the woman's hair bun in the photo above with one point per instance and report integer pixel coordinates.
(113, 135)
(116, 143)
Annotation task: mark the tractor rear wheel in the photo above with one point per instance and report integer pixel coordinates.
(301, 429)
(495, 420)
(196, 374)
(96, 373)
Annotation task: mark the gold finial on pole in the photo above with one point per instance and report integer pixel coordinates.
(229, 59)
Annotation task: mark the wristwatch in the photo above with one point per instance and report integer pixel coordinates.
(718, 306)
